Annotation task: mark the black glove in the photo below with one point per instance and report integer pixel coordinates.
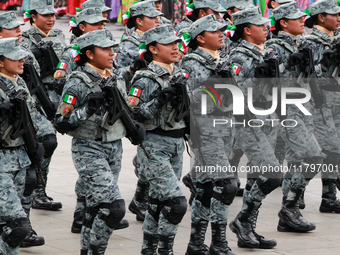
(50, 144)
(137, 65)
(5, 110)
(338, 183)
(95, 101)
(327, 58)
(165, 96)
(140, 134)
(58, 85)
(294, 59)
(39, 152)
(262, 71)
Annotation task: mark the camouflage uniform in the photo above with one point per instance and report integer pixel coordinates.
(167, 204)
(326, 135)
(257, 143)
(215, 191)
(15, 225)
(96, 153)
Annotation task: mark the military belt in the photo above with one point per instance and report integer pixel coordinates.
(335, 88)
(177, 133)
(263, 105)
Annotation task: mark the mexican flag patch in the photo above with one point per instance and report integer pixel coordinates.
(70, 99)
(62, 65)
(236, 68)
(135, 92)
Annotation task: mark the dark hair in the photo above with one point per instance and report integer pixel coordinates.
(239, 31)
(2, 58)
(278, 26)
(77, 31)
(193, 44)
(132, 21)
(226, 15)
(269, 4)
(83, 57)
(0, 29)
(194, 16)
(33, 12)
(148, 55)
(313, 20)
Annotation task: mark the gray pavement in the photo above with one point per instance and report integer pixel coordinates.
(55, 226)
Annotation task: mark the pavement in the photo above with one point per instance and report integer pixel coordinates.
(55, 226)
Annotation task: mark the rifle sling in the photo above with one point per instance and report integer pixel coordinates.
(4, 87)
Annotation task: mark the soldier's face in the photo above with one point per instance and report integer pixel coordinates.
(294, 26)
(101, 58)
(159, 6)
(92, 27)
(202, 13)
(256, 34)
(12, 67)
(147, 23)
(211, 40)
(330, 21)
(165, 53)
(14, 32)
(44, 22)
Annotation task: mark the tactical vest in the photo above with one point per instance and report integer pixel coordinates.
(163, 115)
(90, 128)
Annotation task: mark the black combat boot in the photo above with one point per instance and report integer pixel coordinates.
(32, 239)
(166, 244)
(139, 203)
(302, 204)
(242, 227)
(83, 252)
(196, 244)
(219, 243)
(264, 243)
(338, 183)
(150, 244)
(45, 202)
(78, 215)
(329, 202)
(189, 183)
(96, 250)
(290, 214)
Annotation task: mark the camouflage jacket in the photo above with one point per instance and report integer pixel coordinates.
(146, 86)
(185, 23)
(79, 86)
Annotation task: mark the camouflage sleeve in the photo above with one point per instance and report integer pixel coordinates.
(317, 54)
(127, 53)
(283, 58)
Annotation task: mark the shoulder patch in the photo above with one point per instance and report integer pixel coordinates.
(133, 101)
(59, 74)
(187, 69)
(25, 46)
(66, 109)
(135, 92)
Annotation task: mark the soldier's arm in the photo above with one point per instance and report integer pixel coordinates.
(243, 71)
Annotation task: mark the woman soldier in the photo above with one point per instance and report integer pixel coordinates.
(42, 19)
(150, 98)
(14, 163)
(300, 145)
(325, 21)
(96, 153)
(256, 142)
(215, 192)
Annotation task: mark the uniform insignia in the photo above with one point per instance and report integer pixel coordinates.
(62, 65)
(236, 68)
(115, 55)
(66, 109)
(70, 99)
(59, 74)
(133, 101)
(135, 92)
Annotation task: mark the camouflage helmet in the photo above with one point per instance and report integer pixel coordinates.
(327, 6)
(43, 6)
(251, 15)
(8, 20)
(288, 11)
(95, 3)
(146, 8)
(214, 5)
(239, 4)
(163, 34)
(91, 16)
(10, 48)
(99, 38)
(208, 23)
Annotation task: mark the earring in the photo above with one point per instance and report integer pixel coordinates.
(203, 42)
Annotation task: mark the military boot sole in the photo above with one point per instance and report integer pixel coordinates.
(286, 220)
(37, 242)
(236, 231)
(324, 209)
(133, 208)
(241, 244)
(220, 252)
(194, 250)
(122, 224)
(50, 206)
(283, 227)
(76, 228)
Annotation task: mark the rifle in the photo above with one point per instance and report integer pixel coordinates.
(47, 58)
(116, 108)
(336, 49)
(272, 59)
(308, 67)
(23, 126)
(36, 87)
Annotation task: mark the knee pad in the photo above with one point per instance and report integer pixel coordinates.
(30, 181)
(208, 193)
(229, 191)
(142, 191)
(269, 185)
(159, 206)
(178, 208)
(20, 229)
(117, 212)
(50, 144)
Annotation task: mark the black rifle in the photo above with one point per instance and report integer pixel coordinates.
(116, 108)
(308, 71)
(336, 49)
(47, 58)
(272, 59)
(23, 126)
(36, 87)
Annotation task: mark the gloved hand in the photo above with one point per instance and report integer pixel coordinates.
(137, 65)
(165, 96)
(327, 58)
(50, 144)
(140, 134)
(262, 71)
(40, 151)
(5, 110)
(95, 101)
(58, 85)
(293, 60)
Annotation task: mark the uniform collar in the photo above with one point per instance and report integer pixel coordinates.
(160, 70)
(250, 46)
(14, 79)
(41, 32)
(206, 55)
(324, 30)
(215, 54)
(290, 39)
(103, 73)
(169, 67)
(326, 37)
(136, 35)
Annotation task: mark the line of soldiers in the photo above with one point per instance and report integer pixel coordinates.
(148, 88)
